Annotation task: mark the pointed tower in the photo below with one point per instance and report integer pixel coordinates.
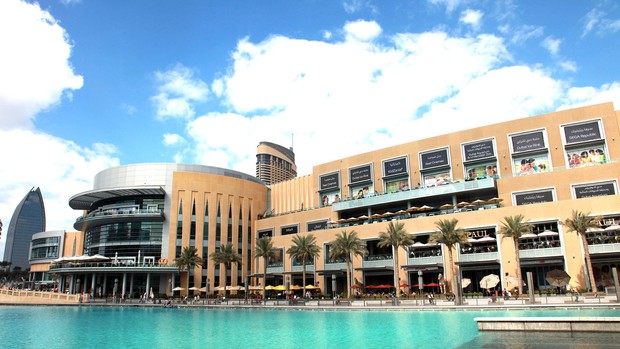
(28, 219)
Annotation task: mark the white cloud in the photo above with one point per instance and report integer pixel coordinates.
(450, 5)
(552, 45)
(587, 95)
(346, 97)
(472, 18)
(173, 139)
(362, 30)
(59, 167)
(570, 66)
(523, 33)
(178, 91)
(354, 6)
(597, 20)
(37, 70)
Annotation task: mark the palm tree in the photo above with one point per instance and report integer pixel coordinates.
(304, 248)
(347, 245)
(265, 250)
(188, 260)
(580, 222)
(449, 235)
(514, 227)
(396, 237)
(226, 255)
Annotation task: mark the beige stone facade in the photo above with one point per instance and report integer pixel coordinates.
(436, 171)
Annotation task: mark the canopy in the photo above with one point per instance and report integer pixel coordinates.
(489, 281)
(548, 233)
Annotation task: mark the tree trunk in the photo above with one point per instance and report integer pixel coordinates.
(454, 271)
(518, 261)
(395, 256)
(586, 253)
(264, 277)
(348, 276)
(303, 278)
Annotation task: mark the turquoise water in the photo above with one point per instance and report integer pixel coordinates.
(133, 327)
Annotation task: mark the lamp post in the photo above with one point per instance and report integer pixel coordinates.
(334, 286)
(421, 285)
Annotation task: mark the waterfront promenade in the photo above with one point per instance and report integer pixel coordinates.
(24, 297)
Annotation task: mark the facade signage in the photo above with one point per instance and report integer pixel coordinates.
(478, 150)
(291, 229)
(329, 181)
(395, 167)
(312, 226)
(360, 174)
(534, 197)
(595, 189)
(582, 132)
(265, 233)
(437, 158)
(528, 142)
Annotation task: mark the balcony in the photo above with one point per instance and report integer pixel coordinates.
(540, 253)
(378, 260)
(429, 260)
(275, 268)
(478, 257)
(118, 216)
(419, 193)
(604, 248)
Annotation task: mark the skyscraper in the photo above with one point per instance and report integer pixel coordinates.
(28, 219)
(275, 163)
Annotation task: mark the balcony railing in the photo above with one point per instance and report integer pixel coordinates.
(116, 215)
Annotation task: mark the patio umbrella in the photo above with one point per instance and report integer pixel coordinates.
(489, 281)
(486, 238)
(412, 208)
(446, 206)
(279, 288)
(151, 294)
(465, 282)
(557, 278)
(528, 236)
(404, 286)
(385, 286)
(178, 289)
(548, 233)
(419, 244)
(194, 288)
(478, 202)
(514, 281)
(376, 215)
(612, 227)
(270, 288)
(463, 204)
(494, 200)
(255, 288)
(362, 217)
(354, 286)
(401, 212)
(595, 230)
(432, 284)
(312, 287)
(425, 208)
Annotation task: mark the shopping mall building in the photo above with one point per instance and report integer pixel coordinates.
(542, 167)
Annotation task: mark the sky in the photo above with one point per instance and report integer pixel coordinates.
(90, 84)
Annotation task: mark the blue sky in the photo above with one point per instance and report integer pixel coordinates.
(86, 85)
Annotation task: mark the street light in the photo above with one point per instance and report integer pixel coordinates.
(334, 285)
(421, 285)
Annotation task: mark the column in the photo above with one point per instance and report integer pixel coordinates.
(93, 284)
(148, 284)
(124, 284)
(105, 283)
(71, 281)
(131, 285)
